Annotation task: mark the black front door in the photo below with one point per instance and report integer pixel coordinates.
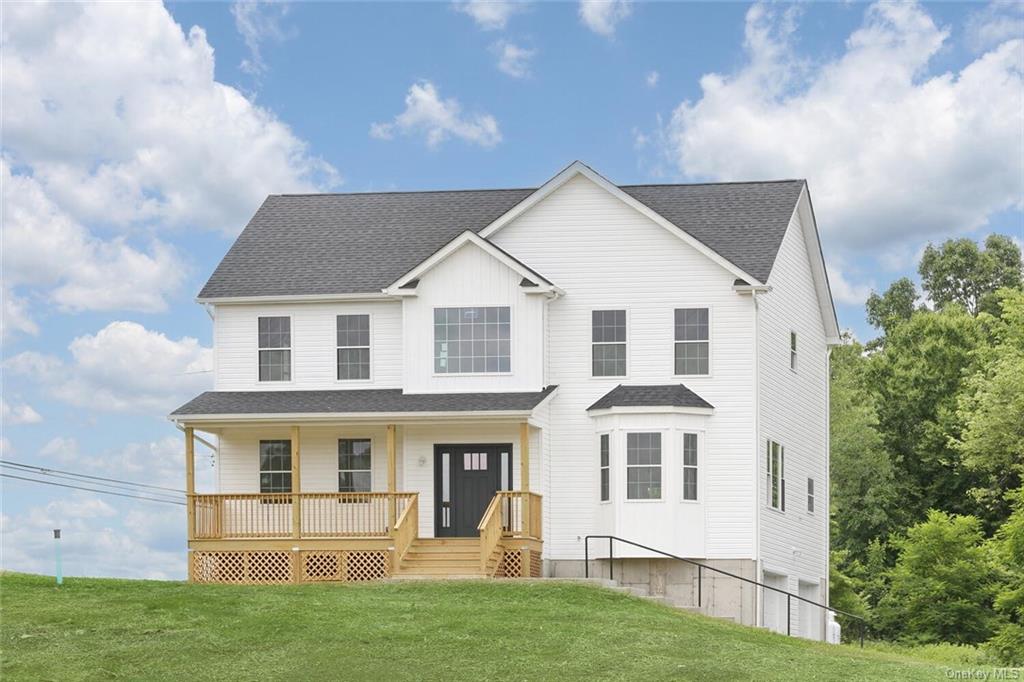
(465, 480)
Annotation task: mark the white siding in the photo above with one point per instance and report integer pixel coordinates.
(314, 356)
(606, 255)
(472, 277)
(793, 413)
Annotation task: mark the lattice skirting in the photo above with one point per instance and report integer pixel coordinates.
(513, 564)
(268, 567)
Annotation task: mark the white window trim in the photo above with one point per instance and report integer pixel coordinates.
(683, 466)
(781, 508)
(511, 340)
(348, 382)
(291, 353)
(590, 322)
(373, 449)
(610, 468)
(793, 357)
(710, 341)
(626, 467)
(812, 496)
(260, 470)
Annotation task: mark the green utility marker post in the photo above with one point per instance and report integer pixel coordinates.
(56, 541)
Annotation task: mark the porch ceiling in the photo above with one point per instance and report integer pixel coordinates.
(362, 404)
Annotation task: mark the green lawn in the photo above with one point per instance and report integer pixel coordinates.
(126, 629)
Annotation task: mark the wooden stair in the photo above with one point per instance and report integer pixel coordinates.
(442, 558)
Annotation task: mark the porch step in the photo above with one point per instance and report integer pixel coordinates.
(441, 558)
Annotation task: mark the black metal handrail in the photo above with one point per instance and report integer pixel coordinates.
(700, 576)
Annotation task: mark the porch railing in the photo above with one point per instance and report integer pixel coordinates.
(407, 528)
(511, 513)
(320, 515)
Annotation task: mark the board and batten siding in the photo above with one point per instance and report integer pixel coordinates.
(471, 277)
(314, 345)
(606, 255)
(793, 412)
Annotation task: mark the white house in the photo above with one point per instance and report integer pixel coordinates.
(472, 382)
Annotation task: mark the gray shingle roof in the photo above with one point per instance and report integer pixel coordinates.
(359, 401)
(671, 395)
(360, 243)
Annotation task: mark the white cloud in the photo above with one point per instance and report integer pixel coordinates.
(258, 21)
(123, 367)
(995, 24)
(437, 120)
(113, 109)
(44, 248)
(489, 15)
(18, 414)
(652, 79)
(843, 289)
(60, 449)
(892, 153)
(14, 315)
(513, 59)
(602, 16)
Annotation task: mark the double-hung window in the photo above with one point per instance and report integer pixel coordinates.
(643, 466)
(792, 351)
(608, 341)
(776, 480)
(689, 466)
(692, 341)
(354, 461)
(810, 495)
(472, 340)
(606, 492)
(353, 347)
(275, 466)
(275, 342)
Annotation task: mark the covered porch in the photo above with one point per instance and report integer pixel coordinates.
(356, 496)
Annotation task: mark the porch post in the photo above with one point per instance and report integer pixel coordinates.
(296, 484)
(190, 480)
(524, 473)
(392, 478)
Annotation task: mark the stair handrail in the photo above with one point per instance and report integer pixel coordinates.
(490, 531)
(700, 574)
(406, 529)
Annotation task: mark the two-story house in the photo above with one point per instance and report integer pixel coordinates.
(471, 382)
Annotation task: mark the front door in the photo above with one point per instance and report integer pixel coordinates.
(465, 480)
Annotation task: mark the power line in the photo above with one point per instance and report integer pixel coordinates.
(92, 490)
(36, 471)
(49, 471)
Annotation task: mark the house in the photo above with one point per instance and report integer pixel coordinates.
(471, 382)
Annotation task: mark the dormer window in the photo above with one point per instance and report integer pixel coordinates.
(275, 343)
(473, 340)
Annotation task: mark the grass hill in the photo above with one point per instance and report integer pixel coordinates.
(129, 629)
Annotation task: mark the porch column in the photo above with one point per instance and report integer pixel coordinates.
(392, 478)
(190, 479)
(524, 473)
(296, 484)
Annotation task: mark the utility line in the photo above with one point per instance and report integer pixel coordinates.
(93, 490)
(48, 471)
(128, 488)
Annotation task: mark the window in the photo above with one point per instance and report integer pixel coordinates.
(692, 347)
(689, 466)
(275, 466)
(792, 351)
(776, 481)
(608, 339)
(353, 347)
(810, 495)
(275, 342)
(354, 465)
(605, 469)
(643, 466)
(472, 340)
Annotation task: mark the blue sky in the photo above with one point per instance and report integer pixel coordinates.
(139, 139)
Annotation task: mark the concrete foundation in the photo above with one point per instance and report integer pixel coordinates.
(676, 583)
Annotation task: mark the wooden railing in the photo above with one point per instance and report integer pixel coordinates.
(407, 528)
(320, 515)
(490, 531)
(511, 513)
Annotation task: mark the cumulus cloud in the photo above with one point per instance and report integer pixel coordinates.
(996, 23)
(18, 414)
(437, 120)
(489, 15)
(258, 21)
(892, 152)
(652, 79)
(114, 110)
(123, 367)
(513, 60)
(603, 16)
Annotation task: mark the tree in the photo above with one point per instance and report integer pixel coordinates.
(896, 305)
(960, 272)
(1008, 548)
(943, 583)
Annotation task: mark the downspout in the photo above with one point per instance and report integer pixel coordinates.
(758, 567)
(828, 477)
